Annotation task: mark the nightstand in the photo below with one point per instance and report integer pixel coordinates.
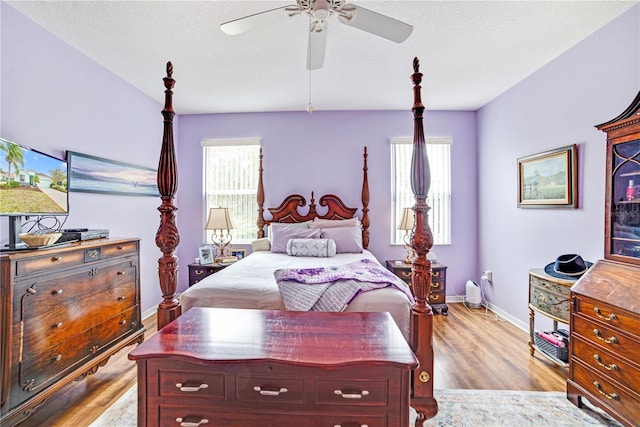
(198, 272)
(438, 290)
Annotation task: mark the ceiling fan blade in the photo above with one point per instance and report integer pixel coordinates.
(250, 22)
(378, 24)
(316, 49)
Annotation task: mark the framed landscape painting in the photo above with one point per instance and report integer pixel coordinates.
(97, 175)
(549, 179)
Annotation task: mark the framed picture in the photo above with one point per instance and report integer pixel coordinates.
(92, 174)
(206, 255)
(239, 253)
(549, 179)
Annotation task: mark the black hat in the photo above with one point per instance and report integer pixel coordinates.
(569, 266)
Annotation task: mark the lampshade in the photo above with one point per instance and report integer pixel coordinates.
(407, 220)
(219, 219)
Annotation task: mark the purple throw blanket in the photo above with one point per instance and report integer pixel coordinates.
(333, 288)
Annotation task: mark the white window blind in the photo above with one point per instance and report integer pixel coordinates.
(439, 197)
(230, 171)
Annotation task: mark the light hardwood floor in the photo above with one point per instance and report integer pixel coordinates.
(473, 351)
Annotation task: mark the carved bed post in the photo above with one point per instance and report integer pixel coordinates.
(365, 201)
(421, 241)
(260, 197)
(167, 237)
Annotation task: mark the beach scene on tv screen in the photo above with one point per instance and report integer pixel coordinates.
(31, 182)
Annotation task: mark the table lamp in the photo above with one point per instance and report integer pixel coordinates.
(406, 224)
(220, 222)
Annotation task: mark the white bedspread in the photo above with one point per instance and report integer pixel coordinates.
(250, 283)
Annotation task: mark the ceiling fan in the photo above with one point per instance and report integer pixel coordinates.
(318, 11)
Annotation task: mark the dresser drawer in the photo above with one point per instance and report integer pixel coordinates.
(49, 263)
(38, 370)
(437, 297)
(369, 392)
(612, 316)
(549, 297)
(405, 275)
(609, 338)
(189, 383)
(270, 389)
(619, 398)
(606, 363)
(119, 249)
(170, 416)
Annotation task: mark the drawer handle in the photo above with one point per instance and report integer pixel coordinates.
(433, 297)
(184, 423)
(613, 396)
(351, 395)
(123, 321)
(602, 316)
(435, 285)
(191, 389)
(199, 272)
(58, 358)
(121, 298)
(57, 292)
(56, 259)
(120, 247)
(435, 274)
(31, 291)
(121, 273)
(610, 367)
(406, 273)
(610, 340)
(347, 425)
(270, 392)
(58, 325)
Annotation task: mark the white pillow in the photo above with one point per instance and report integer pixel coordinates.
(311, 247)
(333, 223)
(348, 239)
(260, 245)
(281, 236)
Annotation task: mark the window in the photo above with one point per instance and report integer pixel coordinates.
(439, 197)
(230, 171)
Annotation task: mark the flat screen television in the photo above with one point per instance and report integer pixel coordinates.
(32, 184)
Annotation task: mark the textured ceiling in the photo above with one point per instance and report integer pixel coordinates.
(470, 51)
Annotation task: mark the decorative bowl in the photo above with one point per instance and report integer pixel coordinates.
(35, 240)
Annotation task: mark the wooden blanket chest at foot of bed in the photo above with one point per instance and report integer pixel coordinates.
(222, 367)
(65, 311)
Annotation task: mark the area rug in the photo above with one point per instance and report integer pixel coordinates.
(457, 408)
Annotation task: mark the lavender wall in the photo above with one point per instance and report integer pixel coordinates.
(56, 99)
(323, 152)
(556, 106)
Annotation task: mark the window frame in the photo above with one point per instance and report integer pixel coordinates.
(230, 142)
(442, 235)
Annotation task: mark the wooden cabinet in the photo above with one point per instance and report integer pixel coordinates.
(65, 311)
(438, 289)
(551, 297)
(622, 203)
(605, 340)
(198, 272)
(604, 363)
(269, 367)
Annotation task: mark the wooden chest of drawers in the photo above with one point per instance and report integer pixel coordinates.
(65, 311)
(438, 289)
(604, 363)
(254, 367)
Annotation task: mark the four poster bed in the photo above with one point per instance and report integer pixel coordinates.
(338, 238)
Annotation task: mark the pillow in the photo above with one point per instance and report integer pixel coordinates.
(260, 245)
(348, 239)
(281, 236)
(277, 225)
(311, 247)
(333, 223)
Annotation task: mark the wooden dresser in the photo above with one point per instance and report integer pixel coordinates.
(605, 340)
(223, 367)
(65, 311)
(438, 289)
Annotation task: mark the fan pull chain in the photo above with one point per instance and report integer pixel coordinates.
(309, 107)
